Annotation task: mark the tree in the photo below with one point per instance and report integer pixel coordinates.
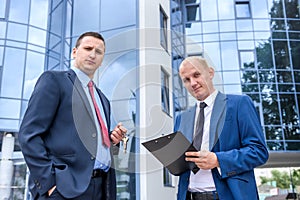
(284, 179)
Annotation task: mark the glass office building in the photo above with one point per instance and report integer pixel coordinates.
(254, 46)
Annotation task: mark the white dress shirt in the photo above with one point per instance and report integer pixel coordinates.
(203, 181)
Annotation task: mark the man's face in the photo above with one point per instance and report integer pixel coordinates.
(89, 55)
(198, 81)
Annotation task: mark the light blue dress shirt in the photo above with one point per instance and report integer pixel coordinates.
(103, 159)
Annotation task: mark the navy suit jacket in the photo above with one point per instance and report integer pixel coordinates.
(236, 136)
(58, 137)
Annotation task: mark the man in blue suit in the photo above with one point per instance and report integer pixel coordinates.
(64, 135)
(232, 144)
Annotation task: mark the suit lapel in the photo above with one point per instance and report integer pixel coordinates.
(78, 87)
(217, 119)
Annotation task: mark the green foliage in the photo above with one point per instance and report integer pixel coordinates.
(283, 180)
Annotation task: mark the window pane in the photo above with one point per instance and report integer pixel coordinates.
(34, 68)
(124, 13)
(259, 9)
(193, 13)
(83, 21)
(195, 28)
(229, 50)
(38, 13)
(210, 27)
(226, 9)
(165, 96)
(242, 9)
(232, 77)
(209, 10)
(247, 59)
(10, 108)
(17, 32)
(13, 73)
(163, 29)
(270, 109)
(227, 26)
(289, 110)
(19, 11)
(264, 55)
(281, 54)
(2, 8)
(37, 36)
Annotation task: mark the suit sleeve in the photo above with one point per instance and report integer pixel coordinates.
(248, 149)
(35, 125)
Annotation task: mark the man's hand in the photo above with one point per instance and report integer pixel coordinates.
(118, 133)
(203, 159)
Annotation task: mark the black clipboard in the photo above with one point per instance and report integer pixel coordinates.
(170, 151)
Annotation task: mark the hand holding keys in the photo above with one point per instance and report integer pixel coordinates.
(125, 140)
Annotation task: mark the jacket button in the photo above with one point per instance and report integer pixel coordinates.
(94, 135)
(92, 158)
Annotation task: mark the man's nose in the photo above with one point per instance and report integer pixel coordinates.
(92, 54)
(193, 82)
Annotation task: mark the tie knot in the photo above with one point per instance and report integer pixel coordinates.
(90, 84)
(203, 105)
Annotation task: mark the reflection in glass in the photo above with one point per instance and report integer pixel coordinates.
(281, 52)
(266, 76)
(295, 51)
(273, 133)
(289, 109)
(247, 59)
(264, 55)
(270, 108)
(275, 145)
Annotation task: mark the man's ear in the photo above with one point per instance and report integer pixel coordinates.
(74, 50)
(211, 72)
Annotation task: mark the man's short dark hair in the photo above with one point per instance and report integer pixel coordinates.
(90, 33)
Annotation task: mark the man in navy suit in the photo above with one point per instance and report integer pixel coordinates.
(61, 136)
(232, 144)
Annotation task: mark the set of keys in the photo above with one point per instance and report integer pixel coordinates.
(125, 140)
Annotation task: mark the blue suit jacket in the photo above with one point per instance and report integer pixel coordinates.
(58, 136)
(238, 141)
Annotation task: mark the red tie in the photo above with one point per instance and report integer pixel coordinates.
(104, 130)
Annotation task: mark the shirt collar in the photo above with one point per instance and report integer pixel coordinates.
(210, 99)
(83, 78)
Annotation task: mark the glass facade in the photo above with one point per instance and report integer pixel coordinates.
(254, 47)
(38, 35)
